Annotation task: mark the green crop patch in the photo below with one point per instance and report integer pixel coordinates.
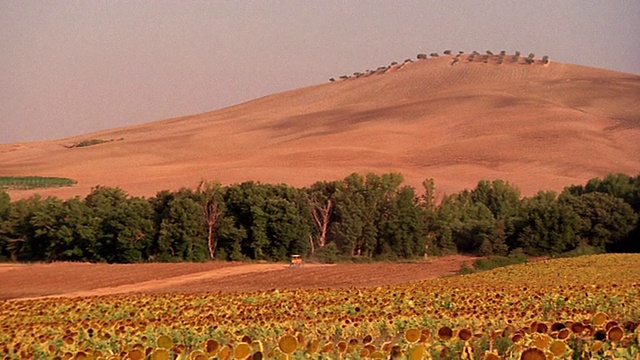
(33, 182)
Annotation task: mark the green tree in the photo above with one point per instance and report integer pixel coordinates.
(349, 223)
(246, 202)
(20, 238)
(618, 185)
(275, 219)
(67, 231)
(547, 226)
(501, 198)
(357, 210)
(180, 231)
(477, 221)
(402, 228)
(288, 228)
(230, 239)
(427, 203)
(5, 213)
(126, 224)
(606, 221)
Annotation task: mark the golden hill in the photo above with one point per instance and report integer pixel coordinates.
(536, 126)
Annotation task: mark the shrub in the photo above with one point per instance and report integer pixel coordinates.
(447, 52)
(422, 56)
(493, 262)
(91, 142)
(368, 260)
(582, 249)
(329, 254)
(466, 270)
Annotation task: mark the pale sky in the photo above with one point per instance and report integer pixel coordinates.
(72, 67)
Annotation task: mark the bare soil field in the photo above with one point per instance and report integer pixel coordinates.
(539, 127)
(80, 279)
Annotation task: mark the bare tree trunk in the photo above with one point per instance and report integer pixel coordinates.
(211, 215)
(211, 210)
(321, 214)
(13, 248)
(313, 247)
(210, 242)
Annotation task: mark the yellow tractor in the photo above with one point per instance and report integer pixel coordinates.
(296, 261)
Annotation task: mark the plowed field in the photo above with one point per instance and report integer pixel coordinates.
(79, 279)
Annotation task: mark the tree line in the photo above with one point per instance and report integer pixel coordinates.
(372, 217)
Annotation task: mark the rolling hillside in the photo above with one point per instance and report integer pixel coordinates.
(537, 126)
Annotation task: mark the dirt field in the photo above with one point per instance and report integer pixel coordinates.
(79, 279)
(538, 127)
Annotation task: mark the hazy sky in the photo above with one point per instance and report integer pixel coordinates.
(72, 67)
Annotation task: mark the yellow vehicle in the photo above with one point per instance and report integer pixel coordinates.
(296, 260)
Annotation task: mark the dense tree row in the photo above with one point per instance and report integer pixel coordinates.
(370, 217)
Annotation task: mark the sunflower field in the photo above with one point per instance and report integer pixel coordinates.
(576, 308)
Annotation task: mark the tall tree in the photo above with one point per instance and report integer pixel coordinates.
(5, 213)
(429, 208)
(19, 234)
(180, 231)
(618, 185)
(466, 225)
(401, 226)
(67, 231)
(547, 226)
(245, 202)
(126, 224)
(606, 221)
(501, 198)
(358, 210)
